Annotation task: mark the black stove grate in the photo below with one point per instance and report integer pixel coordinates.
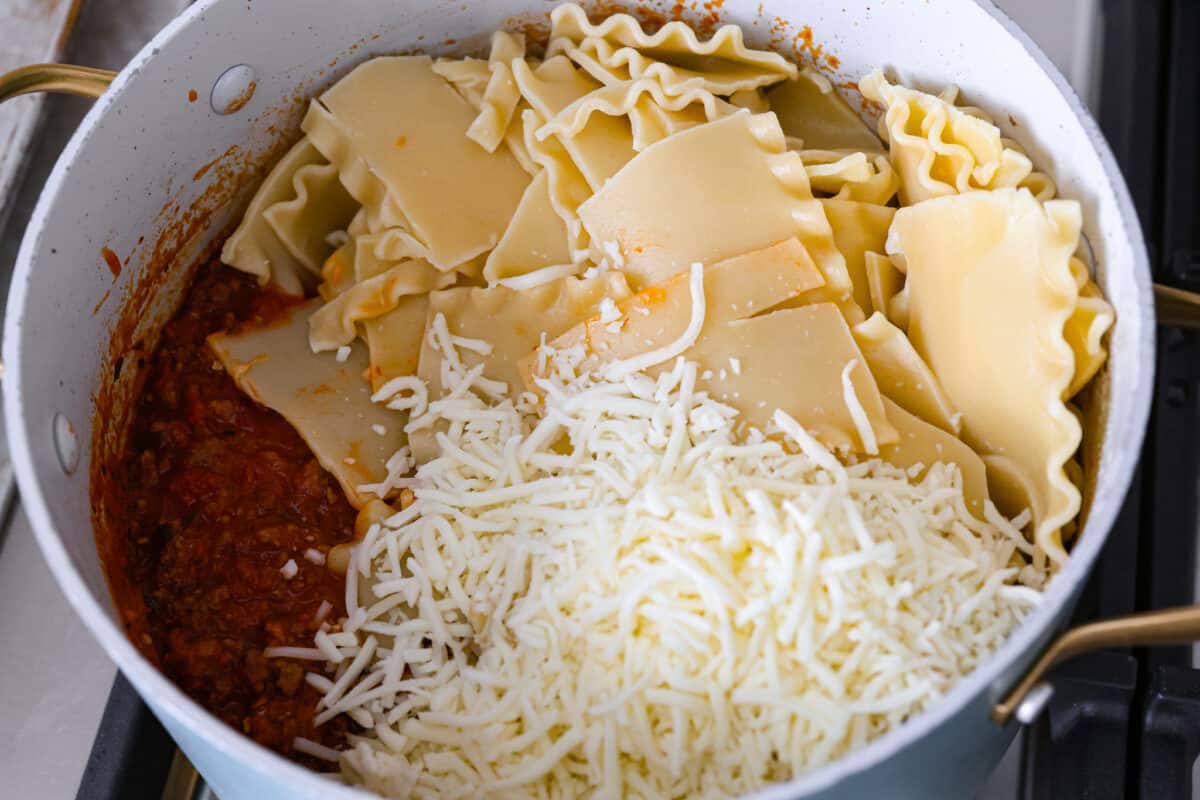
(1127, 725)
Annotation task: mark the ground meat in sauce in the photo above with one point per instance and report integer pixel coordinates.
(221, 492)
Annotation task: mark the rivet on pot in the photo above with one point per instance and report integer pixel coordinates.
(1031, 707)
(66, 444)
(233, 89)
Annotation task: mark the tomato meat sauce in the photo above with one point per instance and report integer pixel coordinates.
(219, 494)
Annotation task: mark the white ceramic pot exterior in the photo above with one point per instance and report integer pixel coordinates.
(140, 146)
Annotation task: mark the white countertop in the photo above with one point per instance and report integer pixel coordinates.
(54, 679)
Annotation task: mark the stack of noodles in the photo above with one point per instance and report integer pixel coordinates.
(736, 433)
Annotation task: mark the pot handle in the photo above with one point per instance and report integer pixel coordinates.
(1169, 626)
(63, 78)
(1176, 308)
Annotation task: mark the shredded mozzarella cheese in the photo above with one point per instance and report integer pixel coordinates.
(609, 311)
(612, 593)
(540, 277)
(857, 412)
(315, 749)
(613, 254)
(303, 653)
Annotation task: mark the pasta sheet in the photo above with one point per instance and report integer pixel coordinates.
(939, 148)
(282, 237)
(513, 323)
(709, 193)
(409, 160)
(324, 399)
(618, 50)
(738, 349)
(990, 290)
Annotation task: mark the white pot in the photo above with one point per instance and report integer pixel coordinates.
(129, 173)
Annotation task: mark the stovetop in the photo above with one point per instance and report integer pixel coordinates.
(1120, 724)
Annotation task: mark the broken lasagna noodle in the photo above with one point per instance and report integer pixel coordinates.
(699, 434)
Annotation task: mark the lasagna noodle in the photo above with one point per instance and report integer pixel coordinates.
(621, 99)
(652, 123)
(709, 193)
(536, 237)
(858, 228)
(902, 375)
(598, 145)
(617, 50)
(512, 322)
(738, 352)
(394, 339)
(753, 100)
(335, 324)
(804, 378)
(1085, 328)
(500, 95)
(409, 159)
(566, 186)
(281, 239)
(553, 85)
(320, 208)
(1016, 169)
(389, 246)
(941, 149)
(990, 290)
(811, 109)
(574, 164)
(325, 400)
(921, 445)
(380, 211)
(851, 175)
(337, 273)
(830, 170)
(735, 288)
(469, 77)
(884, 282)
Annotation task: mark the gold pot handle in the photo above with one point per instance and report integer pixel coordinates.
(1170, 626)
(1176, 308)
(63, 78)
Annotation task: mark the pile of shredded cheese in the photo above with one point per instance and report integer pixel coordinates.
(606, 591)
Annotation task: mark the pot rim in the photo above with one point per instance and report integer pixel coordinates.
(232, 744)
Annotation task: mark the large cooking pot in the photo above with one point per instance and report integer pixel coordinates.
(165, 158)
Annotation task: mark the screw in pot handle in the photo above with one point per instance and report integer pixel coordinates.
(1170, 626)
(62, 78)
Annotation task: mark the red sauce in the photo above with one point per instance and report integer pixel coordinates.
(220, 493)
(113, 262)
